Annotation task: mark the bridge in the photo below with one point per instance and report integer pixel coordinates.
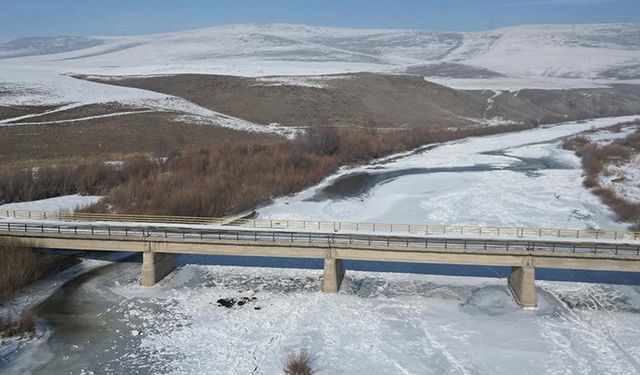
(161, 238)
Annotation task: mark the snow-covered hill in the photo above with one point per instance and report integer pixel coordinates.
(35, 70)
(538, 53)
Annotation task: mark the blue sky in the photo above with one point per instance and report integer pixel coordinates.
(123, 17)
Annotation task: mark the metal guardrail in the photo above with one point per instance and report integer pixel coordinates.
(368, 240)
(333, 226)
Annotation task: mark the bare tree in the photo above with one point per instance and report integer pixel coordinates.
(321, 140)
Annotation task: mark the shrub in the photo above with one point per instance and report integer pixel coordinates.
(72, 177)
(595, 159)
(23, 324)
(626, 210)
(224, 178)
(298, 363)
(21, 265)
(219, 180)
(321, 140)
(632, 140)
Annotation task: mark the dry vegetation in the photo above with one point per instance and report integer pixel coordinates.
(220, 178)
(595, 160)
(216, 180)
(11, 326)
(298, 363)
(111, 139)
(383, 100)
(225, 179)
(21, 265)
(88, 178)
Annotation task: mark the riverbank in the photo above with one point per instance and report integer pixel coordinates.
(408, 321)
(521, 179)
(107, 323)
(611, 161)
(35, 293)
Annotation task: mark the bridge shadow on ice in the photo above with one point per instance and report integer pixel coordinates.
(599, 277)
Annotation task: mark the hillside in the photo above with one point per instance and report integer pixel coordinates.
(383, 100)
(268, 79)
(542, 56)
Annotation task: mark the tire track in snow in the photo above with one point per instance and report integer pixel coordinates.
(597, 303)
(38, 114)
(599, 337)
(79, 119)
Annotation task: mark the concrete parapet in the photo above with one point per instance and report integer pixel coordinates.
(522, 283)
(155, 266)
(333, 275)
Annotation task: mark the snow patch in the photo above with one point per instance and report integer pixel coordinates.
(63, 203)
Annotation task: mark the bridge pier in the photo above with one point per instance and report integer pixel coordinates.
(333, 275)
(155, 266)
(522, 283)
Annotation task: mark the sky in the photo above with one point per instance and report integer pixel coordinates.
(22, 18)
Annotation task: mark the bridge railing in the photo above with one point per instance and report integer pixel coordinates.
(333, 226)
(369, 240)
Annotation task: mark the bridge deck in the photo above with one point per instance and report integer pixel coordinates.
(324, 226)
(558, 253)
(159, 242)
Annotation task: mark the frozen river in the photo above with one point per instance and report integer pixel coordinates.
(380, 323)
(514, 179)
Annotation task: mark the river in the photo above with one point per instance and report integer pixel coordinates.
(104, 323)
(513, 179)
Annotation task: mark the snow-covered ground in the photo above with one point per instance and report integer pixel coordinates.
(378, 324)
(63, 203)
(514, 179)
(43, 289)
(41, 86)
(544, 56)
(38, 71)
(622, 178)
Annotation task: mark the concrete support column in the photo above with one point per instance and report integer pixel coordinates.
(333, 275)
(522, 283)
(155, 266)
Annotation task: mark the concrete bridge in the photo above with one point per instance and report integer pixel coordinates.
(160, 242)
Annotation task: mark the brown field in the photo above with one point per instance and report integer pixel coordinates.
(80, 112)
(15, 111)
(111, 139)
(385, 101)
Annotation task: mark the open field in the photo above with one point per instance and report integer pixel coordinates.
(382, 100)
(364, 101)
(111, 138)
(73, 112)
(7, 112)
